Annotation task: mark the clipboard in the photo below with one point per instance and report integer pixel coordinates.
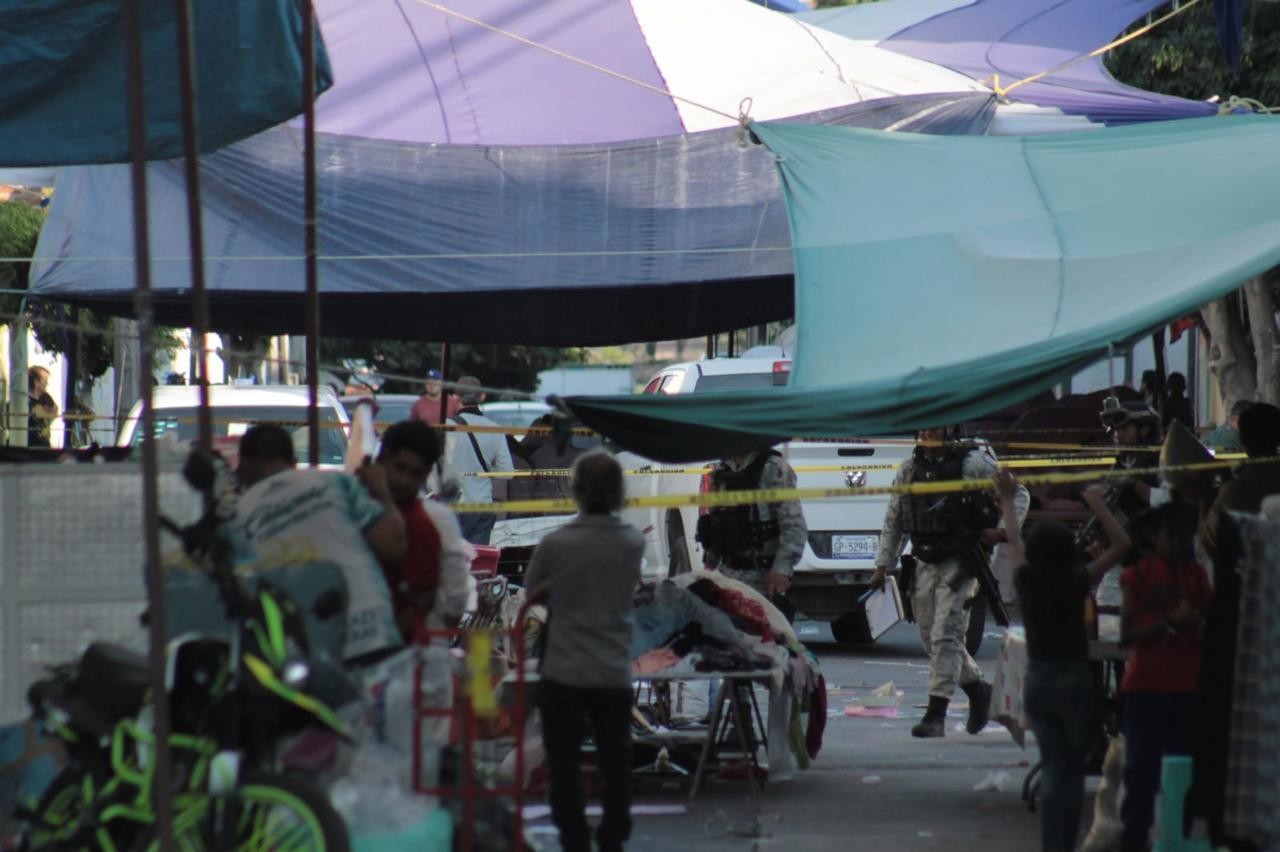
(883, 607)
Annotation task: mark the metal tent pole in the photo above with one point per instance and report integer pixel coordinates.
(191, 157)
(445, 357)
(309, 203)
(135, 95)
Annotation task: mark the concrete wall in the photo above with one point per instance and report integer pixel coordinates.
(71, 564)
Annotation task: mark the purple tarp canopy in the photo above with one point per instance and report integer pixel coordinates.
(474, 188)
(408, 72)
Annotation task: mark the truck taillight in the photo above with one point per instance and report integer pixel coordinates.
(781, 371)
(704, 487)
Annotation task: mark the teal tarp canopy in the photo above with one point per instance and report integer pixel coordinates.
(62, 63)
(939, 278)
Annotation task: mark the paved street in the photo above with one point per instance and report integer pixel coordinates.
(873, 787)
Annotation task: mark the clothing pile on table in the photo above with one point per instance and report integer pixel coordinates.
(1236, 769)
(704, 622)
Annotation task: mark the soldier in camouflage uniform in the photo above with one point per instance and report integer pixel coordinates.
(942, 587)
(760, 543)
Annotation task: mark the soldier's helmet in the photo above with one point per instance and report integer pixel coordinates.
(1116, 413)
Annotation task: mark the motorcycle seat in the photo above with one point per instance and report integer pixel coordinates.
(112, 680)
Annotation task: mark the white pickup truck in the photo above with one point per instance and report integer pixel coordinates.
(844, 534)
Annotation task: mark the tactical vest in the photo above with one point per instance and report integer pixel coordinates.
(1126, 499)
(737, 533)
(937, 522)
(1123, 503)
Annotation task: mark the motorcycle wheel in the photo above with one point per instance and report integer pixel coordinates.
(275, 812)
(58, 808)
(54, 818)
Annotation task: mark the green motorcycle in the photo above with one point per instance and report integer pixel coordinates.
(234, 701)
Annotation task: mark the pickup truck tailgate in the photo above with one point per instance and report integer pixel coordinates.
(844, 533)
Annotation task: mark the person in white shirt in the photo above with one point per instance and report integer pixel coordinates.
(472, 453)
(291, 516)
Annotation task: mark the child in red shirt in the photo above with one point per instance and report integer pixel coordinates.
(1166, 594)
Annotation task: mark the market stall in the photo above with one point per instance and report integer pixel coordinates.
(703, 627)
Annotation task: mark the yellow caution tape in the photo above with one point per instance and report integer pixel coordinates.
(479, 674)
(1026, 464)
(782, 495)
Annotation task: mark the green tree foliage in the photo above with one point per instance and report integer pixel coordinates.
(501, 366)
(80, 333)
(1183, 57)
(19, 229)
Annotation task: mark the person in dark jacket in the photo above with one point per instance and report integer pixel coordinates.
(41, 409)
(1176, 405)
(1052, 583)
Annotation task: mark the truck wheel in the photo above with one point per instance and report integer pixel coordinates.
(977, 626)
(678, 562)
(852, 629)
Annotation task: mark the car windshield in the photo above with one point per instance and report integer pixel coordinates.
(235, 419)
(733, 382)
(389, 410)
(514, 416)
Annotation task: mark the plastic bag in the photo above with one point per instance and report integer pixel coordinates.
(433, 833)
(372, 795)
(388, 717)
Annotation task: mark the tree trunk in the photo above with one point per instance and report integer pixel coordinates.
(1231, 355)
(125, 343)
(1262, 328)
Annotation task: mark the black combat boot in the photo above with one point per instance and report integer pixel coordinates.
(979, 693)
(934, 723)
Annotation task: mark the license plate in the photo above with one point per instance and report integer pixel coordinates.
(854, 546)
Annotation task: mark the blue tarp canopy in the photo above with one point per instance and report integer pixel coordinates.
(1014, 39)
(556, 245)
(62, 62)
(938, 278)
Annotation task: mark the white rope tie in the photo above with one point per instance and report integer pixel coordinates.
(1235, 102)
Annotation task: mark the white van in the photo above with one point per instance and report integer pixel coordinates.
(237, 407)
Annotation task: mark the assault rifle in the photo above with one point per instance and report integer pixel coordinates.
(973, 559)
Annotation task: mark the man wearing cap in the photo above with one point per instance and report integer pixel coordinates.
(427, 408)
(470, 453)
